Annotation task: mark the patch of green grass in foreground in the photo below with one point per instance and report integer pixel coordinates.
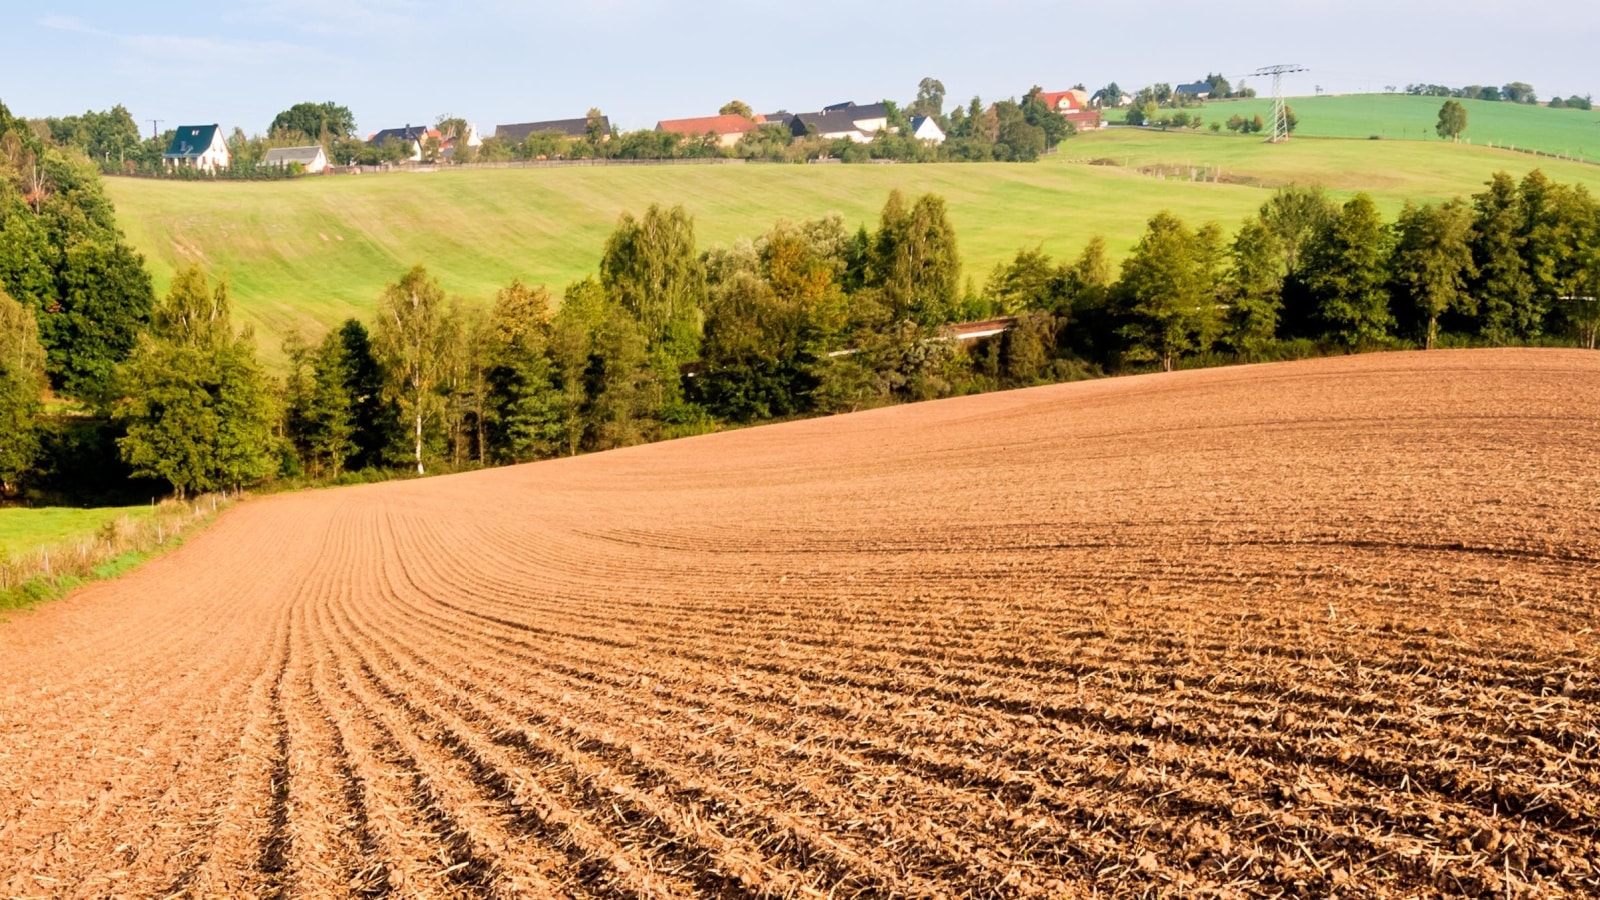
(308, 253)
(26, 530)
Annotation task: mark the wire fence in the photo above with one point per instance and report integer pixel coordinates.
(39, 572)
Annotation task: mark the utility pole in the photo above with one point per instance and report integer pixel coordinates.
(155, 128)
(1280, 111)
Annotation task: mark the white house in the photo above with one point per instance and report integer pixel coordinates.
(311, 159)
(412, 135)
(844, 120)
(198, 147)
(924, 128)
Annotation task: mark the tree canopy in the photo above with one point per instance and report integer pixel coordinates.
(317, 121)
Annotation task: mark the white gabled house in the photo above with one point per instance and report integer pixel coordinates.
(924, 128)
(198, 147)
(312, 159)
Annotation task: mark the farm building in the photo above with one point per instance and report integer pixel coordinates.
(198, 147)
(728, 129)
(574, 128)
(311, 159)
(1199, 90)
(843, 120)
(1074, 106)
(924, 128)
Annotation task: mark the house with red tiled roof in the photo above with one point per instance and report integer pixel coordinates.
(728, 129)
(1074, 106)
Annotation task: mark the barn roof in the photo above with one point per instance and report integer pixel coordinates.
(718, 125)
(283, 156)
(516, 134)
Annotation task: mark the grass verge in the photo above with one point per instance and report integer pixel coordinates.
(50, 571)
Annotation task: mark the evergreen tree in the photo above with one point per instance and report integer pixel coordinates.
(413, 345)
(375, 419)
(298, 388)
(22, 382)
(525, 403)
(1433, 263)
(1346, 272)
(330, 408)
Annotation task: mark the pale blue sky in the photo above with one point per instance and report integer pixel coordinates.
(397, 62)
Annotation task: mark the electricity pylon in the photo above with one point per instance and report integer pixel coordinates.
(1280, 110)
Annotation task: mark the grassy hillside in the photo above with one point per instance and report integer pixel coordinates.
(1566, 132)
(308, 253)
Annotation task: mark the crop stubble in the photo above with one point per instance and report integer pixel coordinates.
(1312, 628)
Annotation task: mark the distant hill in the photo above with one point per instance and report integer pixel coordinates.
(307, 253)
(1566, 132)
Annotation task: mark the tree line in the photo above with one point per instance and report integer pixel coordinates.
(666, 338)
(1513, 92)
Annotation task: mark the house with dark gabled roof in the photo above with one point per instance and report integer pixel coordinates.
(1199, 90)
(924, 128)
(572, 128)
(843, 120)
(412, 135)
(198, 147)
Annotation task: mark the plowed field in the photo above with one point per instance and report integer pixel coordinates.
(1318, 628)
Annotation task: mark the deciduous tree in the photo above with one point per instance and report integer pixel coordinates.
(1452, 120)
(1166, 294)
(412, 344)
(195, 402)
(1433, 263)
(22, 383)
(317, 121)
(1346, 272)
(915, 262)
(651, 268)
(1255, 288)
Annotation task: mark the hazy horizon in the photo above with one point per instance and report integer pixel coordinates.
(398, 62)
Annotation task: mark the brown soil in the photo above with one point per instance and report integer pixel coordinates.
(1323, 628)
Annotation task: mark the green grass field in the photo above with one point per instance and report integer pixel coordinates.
(25, 530)
(308, 253)
(1566, 132)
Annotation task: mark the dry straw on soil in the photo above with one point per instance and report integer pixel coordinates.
(1316, 629)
